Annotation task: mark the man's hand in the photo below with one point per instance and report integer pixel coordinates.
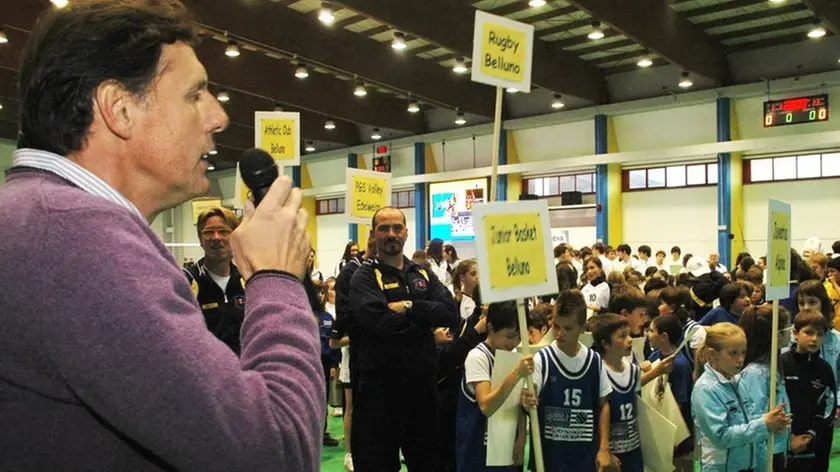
(606, 461)
(399, 307)
(799, 442)
(273, 236)
(664, 366)
(442, 336)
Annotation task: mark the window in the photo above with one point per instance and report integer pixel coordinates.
(556, 185)
(403, 199)
(330, 206)
(689, 175)
(806, 166)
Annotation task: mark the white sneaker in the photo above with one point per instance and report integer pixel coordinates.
(348, 462)
(338, 411)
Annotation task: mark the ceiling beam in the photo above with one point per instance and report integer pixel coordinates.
(656, 26)
(720, 7)
(758, 15)
(317, 93)
(764, 29)
(828, 11)
(337, 48)
(449, 24)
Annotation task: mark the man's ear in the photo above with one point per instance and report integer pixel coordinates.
(114, 105)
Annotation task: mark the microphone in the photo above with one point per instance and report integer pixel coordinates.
(258, 171)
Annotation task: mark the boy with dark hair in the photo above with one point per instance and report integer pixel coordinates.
(602, 251)
(734, 299)
(539, 322)
(478, 400)
(574, 415)
(811, 388)
(644, 255)
(676, 254)
(666, 331)
(630, 303)
(611, 335)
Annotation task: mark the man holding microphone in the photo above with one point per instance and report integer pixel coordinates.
(105, 360)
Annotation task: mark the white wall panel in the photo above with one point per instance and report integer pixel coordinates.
(555, 142)
(459, 154)
(332, 236)
(814, 208)
(664, 218)
(402, 161)
(666, 128)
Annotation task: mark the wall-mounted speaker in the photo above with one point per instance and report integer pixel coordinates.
(571, 198)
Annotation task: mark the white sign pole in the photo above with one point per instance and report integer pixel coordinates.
(497, 134)
(536, 437)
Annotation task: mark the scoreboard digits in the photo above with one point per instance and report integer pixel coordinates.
(794, 111)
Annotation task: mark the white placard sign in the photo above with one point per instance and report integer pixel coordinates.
(367, 191)
(513, 245)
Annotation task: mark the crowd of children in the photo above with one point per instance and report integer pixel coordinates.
(706, 332)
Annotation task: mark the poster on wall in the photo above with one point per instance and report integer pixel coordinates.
(451, 209)
(559, 236)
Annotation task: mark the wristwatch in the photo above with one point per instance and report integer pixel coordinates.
(408, 304)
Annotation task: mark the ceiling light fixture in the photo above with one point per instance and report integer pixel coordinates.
(310, 147)
(326, 16)
(232, 50)
(777, 1)
(460, 66)
(60, 3)
(557, 103)
(596, 33)
(685, 80)
(645, 62)
(398, 42)
(329, 124)
(413, 107)
(3, 38)
(301, 72)
(213, 152)
(360, 91)
(459, 119)
(536, 3)
(223, 97)
(818, 31)
(376, 136)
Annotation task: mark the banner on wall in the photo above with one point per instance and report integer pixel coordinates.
(200, 205)
(559, 236)
(367, 191)
(502, 52)
(778, 250)
(278, 133)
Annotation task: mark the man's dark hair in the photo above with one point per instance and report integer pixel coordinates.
(571, 303)
(730, 292)
(626, 298)
(658, 252)
(670, 325)
(73, 50)
(676, 249)
(625, 248)
(600, 247)
(560, 249)
(603, 327)
(644, 249)
(373, 220)
(502, 315)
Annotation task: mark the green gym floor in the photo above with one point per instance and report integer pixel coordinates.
(332, 459)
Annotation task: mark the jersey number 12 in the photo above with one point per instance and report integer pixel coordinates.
(626, 411)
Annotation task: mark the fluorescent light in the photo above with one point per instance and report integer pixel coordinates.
(597, 32)
(223, 97)
(512, 90)
(685, 81)
(360, 91)
(459, 119)
(536, 3)
(301, 72)
(213, 152)
(644, 62)
(557, 103)
(329, 124)
(376, 136)
(460, 66)
(398, 42)
(3, 38)
(232, 50)
(777, 1)
(60, 3)
(818, 31)
(413, 107)
(310, 147)
(326, 16)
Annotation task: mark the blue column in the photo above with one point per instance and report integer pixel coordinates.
(724, 187)
(501, 188)
(352, 228)
(420, 213)
(601, 182)
(296, 179)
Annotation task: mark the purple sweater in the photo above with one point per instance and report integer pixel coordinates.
(105, 361)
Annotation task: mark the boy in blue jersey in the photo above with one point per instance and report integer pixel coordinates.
(611, 336)
(477, 401)
(572, 389)
(665, 332)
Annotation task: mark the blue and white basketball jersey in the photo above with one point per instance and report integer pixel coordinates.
(689, 353)
(569, 409)
(624, 429)
(471, 426)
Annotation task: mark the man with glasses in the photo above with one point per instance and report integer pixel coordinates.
(216, 283)
(397, 305)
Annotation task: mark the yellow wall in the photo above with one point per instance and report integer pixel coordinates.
(736, 203)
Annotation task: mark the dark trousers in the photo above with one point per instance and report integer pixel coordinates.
(821, 447)
(446, 440)
(325, 363)
(394, 412)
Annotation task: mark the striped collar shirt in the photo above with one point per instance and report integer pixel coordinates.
(72, 172)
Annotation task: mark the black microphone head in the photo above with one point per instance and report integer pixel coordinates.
(257, 168)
